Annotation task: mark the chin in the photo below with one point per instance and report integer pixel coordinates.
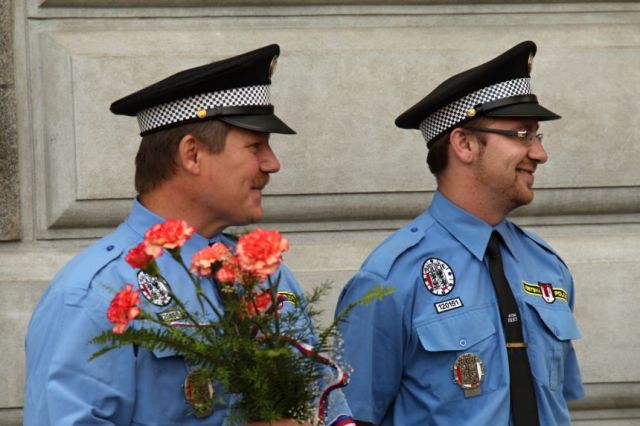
(257, 217)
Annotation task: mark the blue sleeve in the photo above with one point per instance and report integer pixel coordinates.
(573, 387)
(62, 386)
(373, 345)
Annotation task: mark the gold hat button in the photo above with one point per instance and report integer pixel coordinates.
(201, 113)
(471, 112)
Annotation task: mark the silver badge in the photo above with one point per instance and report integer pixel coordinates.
(199, 392)
(438, 277)
(468, 373)
(154, 289)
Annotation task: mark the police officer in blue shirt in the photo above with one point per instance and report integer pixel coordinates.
(204, 158)
(479, 328)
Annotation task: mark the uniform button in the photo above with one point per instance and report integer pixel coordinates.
(109, 248)
(463, 342)
(556, 331)
(414, 229)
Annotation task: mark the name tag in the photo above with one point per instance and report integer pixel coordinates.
(448, 305)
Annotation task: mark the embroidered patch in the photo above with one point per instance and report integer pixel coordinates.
(546, 291)
(448, 305)
(438, 277)
(155, 290)
(286, 297)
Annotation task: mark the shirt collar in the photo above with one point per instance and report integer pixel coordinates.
(471, 231)
(140, 219)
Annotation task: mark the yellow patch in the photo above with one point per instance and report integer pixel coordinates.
(287, 297)
(534, 289)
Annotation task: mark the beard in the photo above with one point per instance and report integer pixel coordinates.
(505, 193)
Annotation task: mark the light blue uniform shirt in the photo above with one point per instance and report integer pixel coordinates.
(403, 349)
(124, 386)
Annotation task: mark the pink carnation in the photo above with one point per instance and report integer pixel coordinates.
(229, 272)
(202, 261)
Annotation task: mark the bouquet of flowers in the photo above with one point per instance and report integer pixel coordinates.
(253, 347)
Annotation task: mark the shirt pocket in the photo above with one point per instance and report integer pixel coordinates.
(159, 387)
(443, 340)
(549, 342)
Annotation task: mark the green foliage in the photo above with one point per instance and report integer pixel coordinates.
(251, 356)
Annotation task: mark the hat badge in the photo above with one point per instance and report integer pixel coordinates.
(471, 112)
(530, 63)
(272, 66)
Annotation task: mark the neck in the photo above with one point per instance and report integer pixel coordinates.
(468, 195)
(169, 201)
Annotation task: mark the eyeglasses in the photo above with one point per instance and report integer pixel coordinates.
(526, 136)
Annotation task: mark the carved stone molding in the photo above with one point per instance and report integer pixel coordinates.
(341, 87)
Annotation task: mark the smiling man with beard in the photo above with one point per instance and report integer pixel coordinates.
(204, 158)
(479, 328)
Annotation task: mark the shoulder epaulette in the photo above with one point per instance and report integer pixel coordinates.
(542, 243)
(92, 260)
(381, 260)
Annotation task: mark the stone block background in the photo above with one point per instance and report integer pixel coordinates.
(349, 178)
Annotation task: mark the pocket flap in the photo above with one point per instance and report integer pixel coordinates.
(164, 353)
(559, 320)
(455, 333)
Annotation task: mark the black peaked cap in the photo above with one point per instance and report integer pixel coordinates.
(493, 80)
(233, 74)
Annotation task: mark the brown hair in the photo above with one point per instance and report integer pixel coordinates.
(156, 158)
(438, 155)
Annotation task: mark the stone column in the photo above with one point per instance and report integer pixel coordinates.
(9, 185)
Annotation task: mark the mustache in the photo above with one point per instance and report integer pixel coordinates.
(260, 181)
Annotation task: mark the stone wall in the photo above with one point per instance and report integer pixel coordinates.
(349, 177)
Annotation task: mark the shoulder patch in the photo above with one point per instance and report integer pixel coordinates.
(381, 260)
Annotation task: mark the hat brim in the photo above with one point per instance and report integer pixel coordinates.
(266, 123)
(523, 110)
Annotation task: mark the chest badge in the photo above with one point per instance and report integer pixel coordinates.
(468, 373)
(154, 289)
(199, 392)
(438, 277)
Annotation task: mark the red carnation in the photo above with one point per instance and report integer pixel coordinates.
(170, 234)
(124, 308)
(139, 257)
(262, 302)
(260, 252)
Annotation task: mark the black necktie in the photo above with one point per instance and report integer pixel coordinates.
(523, 397)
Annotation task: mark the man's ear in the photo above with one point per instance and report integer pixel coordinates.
(463, 145)
(188, 155)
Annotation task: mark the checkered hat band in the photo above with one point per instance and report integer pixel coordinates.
(185, 109)
(454, 113)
